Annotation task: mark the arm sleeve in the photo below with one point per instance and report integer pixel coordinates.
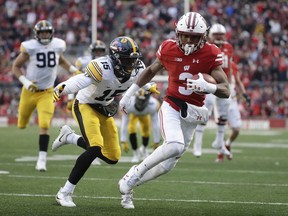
(76, 83)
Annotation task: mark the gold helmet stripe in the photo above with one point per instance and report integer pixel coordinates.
(44, 23)
(133, 44)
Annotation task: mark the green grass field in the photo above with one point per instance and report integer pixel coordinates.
(254, 183)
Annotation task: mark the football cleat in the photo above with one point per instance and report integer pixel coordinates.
(64, 199)
(127, 200)
(128, 181)
(41, 165)
(62, 137)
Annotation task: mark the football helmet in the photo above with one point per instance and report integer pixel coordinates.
(43, 26)
(124, 53)
(97, 49)
(194, 26)
(142, 99)
(217, 34)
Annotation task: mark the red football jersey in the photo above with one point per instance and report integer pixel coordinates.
(180, 67)
(227, 52)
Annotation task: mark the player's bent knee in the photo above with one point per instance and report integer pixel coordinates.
(173, 149)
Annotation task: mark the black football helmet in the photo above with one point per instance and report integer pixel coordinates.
(125, 55)
(97, 49)
(43, 26)
(141, 99)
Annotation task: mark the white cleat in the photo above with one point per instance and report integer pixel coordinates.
(41, 165)
(127, 200)
(62, 137)
(64, 199)
(128, 181)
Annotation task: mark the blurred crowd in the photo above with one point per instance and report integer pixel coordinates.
(258, 31)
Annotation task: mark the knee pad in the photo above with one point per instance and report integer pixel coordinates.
(222, 120)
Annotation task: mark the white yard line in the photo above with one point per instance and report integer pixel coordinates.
(160, 200)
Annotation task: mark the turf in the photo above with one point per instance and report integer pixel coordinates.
(253, 183)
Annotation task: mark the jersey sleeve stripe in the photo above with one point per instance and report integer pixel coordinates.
(94, 71)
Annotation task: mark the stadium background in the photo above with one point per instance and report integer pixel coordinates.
(258, 31)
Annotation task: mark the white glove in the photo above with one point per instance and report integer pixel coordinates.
(201, 85)
(124, 103)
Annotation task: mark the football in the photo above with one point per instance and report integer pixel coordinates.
(207, 78)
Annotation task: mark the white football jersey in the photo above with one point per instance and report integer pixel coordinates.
(82, 62)
(99, 84)
(43, 61)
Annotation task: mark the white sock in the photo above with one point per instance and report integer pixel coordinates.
(68, 187)
(42, 155)
(158, 170)
(220, 133)
(72, 138)
(160, 154)
(199, 135)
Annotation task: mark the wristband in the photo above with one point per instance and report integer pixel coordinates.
(133, 88)
(25, 81)
(72, 69)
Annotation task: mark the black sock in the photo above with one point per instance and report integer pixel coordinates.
(133, 140)
(82, 143)
(43, 142)
(82, 164)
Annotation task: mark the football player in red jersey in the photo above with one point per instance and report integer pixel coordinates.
(219, 106)
(182, 108)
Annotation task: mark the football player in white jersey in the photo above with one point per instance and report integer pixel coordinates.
(94, 107)
(96, 49)
(43, 54)
(143, 109)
